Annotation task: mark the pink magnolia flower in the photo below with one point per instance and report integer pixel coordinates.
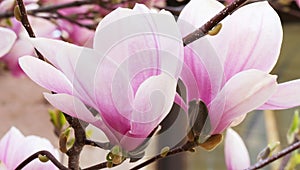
(8, 39)
(230, 71)
(15, 148)
(298, 3)
(129, 77)
(236, 153)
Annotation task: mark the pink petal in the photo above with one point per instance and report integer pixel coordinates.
(202, 73)
(20, 48)
(242, 93)
(8, 38)
(14, 148)
(75, 108)
(45, 75)
(253, 39)
(31, 145)
(71, 106)
(8, 147)
(286, 96)
(236, 153)
(152, 103)
(150, 38)
(61, 54)
(78, 64)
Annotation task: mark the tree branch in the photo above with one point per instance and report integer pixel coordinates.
(80, 137)
(186, 147)
(26, 24)
(44, 153)
(276, 156)
(203, 30)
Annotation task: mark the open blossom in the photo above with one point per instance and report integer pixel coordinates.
(229, 72)
(236, 153)
(126, 84)
(15, 148)
(8, 39)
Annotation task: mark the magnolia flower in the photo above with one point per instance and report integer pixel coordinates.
(229, 72)
(126, 84)
(8, 39)
(15, 148)
(236, 153)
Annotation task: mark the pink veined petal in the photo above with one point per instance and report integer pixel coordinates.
(242, 93)
(45, 75)
(196, 13)
(64, 56)
(255, 39)
(71, 106)
(286, 96)
(145, 42)
(78, 64)
(202, 73)
(75, 108)
(8, 147)
(236, 153)
(152, 103)
(8, 38)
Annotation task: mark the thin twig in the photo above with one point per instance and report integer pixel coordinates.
(276, 156)
(186, 147)
(80, 137)
(105, 145)
(91, 26)
(44, 153)
(26, 24)
(203, 30)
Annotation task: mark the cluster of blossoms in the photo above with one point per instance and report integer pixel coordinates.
(124, 82)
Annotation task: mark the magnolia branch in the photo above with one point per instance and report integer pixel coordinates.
(276, 156)
(25, 22)
(188, 146)
(203, 30)
(43, 153)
